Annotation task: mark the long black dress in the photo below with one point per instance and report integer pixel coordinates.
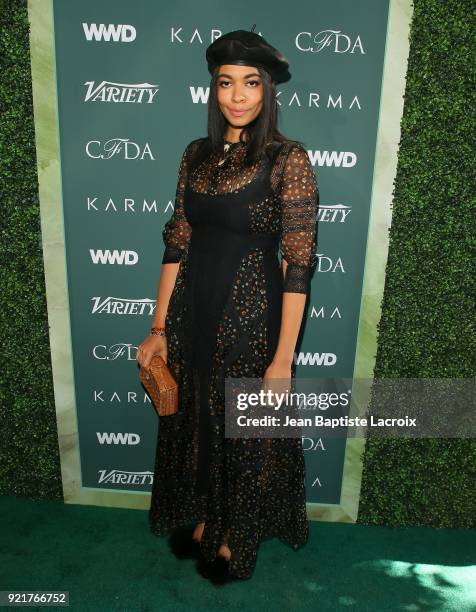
(223, 320)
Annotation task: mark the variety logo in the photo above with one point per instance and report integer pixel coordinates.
(122, 306)
(331, 213)
(123, 477)
(334, 39)
(131, 439)
(122, 147)
(107, 91)
(121, 258)
(109, 32)
(115, 351)
(315, 359)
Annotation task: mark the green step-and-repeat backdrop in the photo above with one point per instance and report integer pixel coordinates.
(120, 89)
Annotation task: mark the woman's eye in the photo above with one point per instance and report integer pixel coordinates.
(253, 82)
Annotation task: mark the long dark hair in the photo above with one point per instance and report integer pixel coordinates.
(261, 134)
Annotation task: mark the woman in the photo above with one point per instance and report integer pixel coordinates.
(229, 310)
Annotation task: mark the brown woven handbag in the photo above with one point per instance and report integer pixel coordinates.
(161, 386)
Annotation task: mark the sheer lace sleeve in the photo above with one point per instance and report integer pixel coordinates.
(299, 205)
(177, 231)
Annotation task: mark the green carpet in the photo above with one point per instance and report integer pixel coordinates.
(108, 560)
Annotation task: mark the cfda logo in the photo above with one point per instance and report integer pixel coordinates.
(333, 40)
(118, 147)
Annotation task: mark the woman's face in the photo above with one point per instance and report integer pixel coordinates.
(239, 93)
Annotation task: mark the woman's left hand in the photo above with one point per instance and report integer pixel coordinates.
(277, 378)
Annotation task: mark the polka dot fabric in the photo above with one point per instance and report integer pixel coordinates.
(176, 233)
(291, 211)
(225, 215)
(298, 216)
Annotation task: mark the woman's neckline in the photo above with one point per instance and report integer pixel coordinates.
(233, 143)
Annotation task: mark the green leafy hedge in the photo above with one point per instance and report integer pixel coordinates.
(29, 454)
(426, 329)
(426, 326)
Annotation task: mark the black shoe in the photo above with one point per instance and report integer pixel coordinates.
(182, 544)
(217, 571)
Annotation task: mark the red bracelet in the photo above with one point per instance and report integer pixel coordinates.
(157, 331)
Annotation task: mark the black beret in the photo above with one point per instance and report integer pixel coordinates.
(247, 49)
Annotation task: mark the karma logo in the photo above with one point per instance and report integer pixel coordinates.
(321, 312)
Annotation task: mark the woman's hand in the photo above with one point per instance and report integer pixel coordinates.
(277, 378)
(152, 345)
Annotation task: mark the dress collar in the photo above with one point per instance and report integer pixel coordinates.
(228, 142)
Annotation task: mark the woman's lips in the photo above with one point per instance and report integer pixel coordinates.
(237, 113)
